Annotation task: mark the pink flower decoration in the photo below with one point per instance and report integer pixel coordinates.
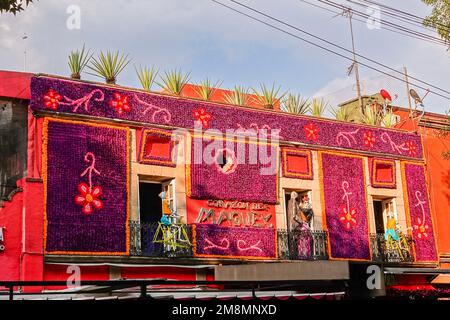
(88, 199)
(120, 103)
(51, 99)
(348, 218)
(369, 139)
(411, 148)
(311, 131)
(202, 117)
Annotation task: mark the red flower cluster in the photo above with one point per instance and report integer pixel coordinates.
(120, 103)
(421, 229)
(88, 199)
(51, 99)
(202, 117)
(369, 139)
(311, 131)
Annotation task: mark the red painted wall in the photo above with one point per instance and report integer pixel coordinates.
(15, 84)
(158, 272)
(55, 272)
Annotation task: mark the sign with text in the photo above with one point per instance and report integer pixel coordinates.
(231, 213)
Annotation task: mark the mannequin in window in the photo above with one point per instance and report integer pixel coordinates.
(293, 212)
(306, 212)
(391, 227)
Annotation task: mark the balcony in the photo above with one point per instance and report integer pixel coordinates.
(391, 251)
(149, 240)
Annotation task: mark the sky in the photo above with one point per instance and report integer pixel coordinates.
(210, 41)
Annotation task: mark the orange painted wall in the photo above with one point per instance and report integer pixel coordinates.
(438, 169)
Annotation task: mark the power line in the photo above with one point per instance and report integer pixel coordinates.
(417, 22)
(402, 12)
(382, 26)
(330, 43)
(387, 22)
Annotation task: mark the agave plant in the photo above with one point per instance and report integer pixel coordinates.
(295, 104)
(268, 97)
(318, 107)
(205, 89)
(388, 119)
(239, 96)
(174, 81)
(342, 114)
(146, 76)
(108, 66)
(371, 116)
(78, 61)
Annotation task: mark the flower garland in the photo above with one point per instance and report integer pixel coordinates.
(389, 184)
(102, 101)
(306, 175)
(344, 197)
(66, 231)
(418, 211)
(151, 159)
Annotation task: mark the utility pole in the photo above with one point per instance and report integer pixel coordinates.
(355, 62)
(407, 91)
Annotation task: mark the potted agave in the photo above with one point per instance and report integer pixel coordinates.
(174, 81)
(239, 96)
(146, 76)
(268, 97)
(205, 89)
(78, 61)
(108, 66)
(295, 104)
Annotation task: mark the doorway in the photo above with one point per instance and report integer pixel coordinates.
(381, 210)
(150, 205)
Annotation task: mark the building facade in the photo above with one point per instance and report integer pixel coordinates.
(127, 184)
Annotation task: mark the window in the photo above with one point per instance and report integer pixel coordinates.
(151, 203)
(381, 209)
(301, 200)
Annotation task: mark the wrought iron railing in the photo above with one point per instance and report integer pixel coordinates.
(398, 251)
(149, 239)
(156, 240)
(302, 245)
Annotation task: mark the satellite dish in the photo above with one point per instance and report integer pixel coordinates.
(415, 96)
(386, 96)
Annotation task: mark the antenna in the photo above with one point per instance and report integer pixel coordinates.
(415, 96)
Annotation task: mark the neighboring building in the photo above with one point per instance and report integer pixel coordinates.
(124, 184)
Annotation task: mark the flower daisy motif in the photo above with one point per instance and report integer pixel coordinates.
(369, 139)
(421, 229)
(120, 103)
(88, 199)
(348, 217)
(411, 148)
(51, 99)
(202, 117)
(311, 131)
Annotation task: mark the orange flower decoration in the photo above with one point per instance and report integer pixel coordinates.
(348, 217)
(421, 229)
(51, 99)
(369, 139)
(311, 131)
(120, 103)
(88, 199)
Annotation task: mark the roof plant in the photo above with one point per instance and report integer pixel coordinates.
(78, 61)
(295, 104)
(174, 81)
(318, 107)
(146, 76)
(371, 116)
(268, 97)
(239, 96)
(342, 114)
(108, 66)
(205, 89)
